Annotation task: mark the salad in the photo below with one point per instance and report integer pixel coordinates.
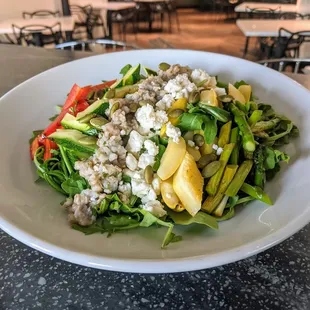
(169, 147)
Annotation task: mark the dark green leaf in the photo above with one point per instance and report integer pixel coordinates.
(126, 178)
(190, 121)
(184, 218)
(270, 159)
(74, 184)
(158, 157)
(125, 69)
(281, 156)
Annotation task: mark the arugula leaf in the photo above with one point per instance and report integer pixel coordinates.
(239, 83)
(281, 156)
(158, 157)
(121, 220)
(270, 174)
(282, 134)
(125, 69)
(221, 84)
(52, 118)
(191, 121)
(126, 178)
(270, 159)
(74, 184)
(185, 218)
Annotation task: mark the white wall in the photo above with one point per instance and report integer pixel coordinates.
(14, 8)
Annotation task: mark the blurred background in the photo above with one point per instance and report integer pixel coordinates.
(261, 30)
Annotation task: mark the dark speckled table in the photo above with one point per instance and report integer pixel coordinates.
(276, 279)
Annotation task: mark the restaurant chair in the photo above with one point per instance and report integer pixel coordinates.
(87, 21)
(288, 46)
(37, 35)
(290, 15)
(307, 16)
(97, 46)
(124, 17)
(296, 65)
(41, 14)
(172, 12)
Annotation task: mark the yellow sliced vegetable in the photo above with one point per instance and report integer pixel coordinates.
(179, 208)
(168, 194)
(246, 91)
(224, 136)
(172, 158)
(163, 130)
(173, 120)
(194, 152)
(188, 185)
(189, 135)
(180, 104)
(209, 97)
(236, 93)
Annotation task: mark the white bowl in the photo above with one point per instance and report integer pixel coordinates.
(31, 213)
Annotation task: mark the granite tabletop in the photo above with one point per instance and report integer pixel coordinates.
(278, 278)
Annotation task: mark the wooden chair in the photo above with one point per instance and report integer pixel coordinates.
(37, 35)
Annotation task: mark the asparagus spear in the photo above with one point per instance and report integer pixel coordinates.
(239, 178)
(244, 200)
(245, 130)
(255, 117)
(265, 125)
(220, 208)
(212, 201)
(257, 193)
(259, 174)
(224, 134)
(215, 180)
(234, 138)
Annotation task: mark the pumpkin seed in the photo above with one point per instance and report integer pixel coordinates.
(144, 102)
(99, 93)
(199, 139)
(164, 66)
(194, 97)
(98, 122)
(175, 113)
(226, 98)
(209, 170)
(88, 140)
(148, 174)
(114, 108)
(87, 118)
(110, 93)
(133, 107)
(206, 159)
(179, 208)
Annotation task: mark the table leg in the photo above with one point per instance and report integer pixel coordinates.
(150, 20)
(246, 46)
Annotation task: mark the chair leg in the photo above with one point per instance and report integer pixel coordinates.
(124, 31)
(169, 22)
(177, 20)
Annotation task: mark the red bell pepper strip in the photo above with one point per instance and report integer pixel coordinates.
(34, 147)
(103, 85)
(47, 149)
(81, 106)
(72, 97)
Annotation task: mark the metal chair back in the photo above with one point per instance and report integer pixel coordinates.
(35, 34)
(291, 15)
(262, 12)
(40, 14)
(98, 46)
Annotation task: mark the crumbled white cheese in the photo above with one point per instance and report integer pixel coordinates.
(135, 142)
(219, 151)
(191, 143)
(131, 162)
(215, 147)
(150, 196)
(173, 132)
(155, 207)
(150, 119)
(145, 160)
(180, 87)
(199, 75)
(165, 103)
(220, 91)
(151, 147)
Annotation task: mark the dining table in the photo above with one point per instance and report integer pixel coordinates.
(66, 22)
(275, 279)
(270, 28)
